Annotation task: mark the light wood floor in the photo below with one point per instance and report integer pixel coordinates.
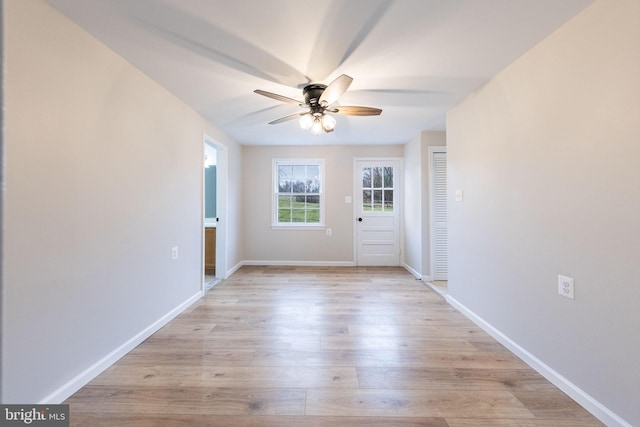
(276, 346)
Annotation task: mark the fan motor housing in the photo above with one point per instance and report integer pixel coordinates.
(312, 93)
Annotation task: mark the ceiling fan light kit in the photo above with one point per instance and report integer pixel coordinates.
(306, 121)
(328, 123)
(316, 128)
(319, 100)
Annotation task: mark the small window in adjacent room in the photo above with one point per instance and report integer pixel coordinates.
(298, 193)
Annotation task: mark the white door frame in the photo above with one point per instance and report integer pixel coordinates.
(221, 208)
(397, 203)
(432, 221)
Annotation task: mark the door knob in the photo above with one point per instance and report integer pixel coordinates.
(360, 219)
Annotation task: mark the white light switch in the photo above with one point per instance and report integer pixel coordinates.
(347, 199)
(459, 195)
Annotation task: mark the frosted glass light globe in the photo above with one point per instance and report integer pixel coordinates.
(306, 121)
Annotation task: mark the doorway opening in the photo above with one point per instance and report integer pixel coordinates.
(214, 213)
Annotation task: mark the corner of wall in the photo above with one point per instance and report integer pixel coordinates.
(2, 190)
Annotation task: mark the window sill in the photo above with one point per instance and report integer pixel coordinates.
(318, 227)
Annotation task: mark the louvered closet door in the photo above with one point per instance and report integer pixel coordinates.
(440, 246)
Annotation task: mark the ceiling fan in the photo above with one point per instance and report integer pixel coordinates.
(319, 101)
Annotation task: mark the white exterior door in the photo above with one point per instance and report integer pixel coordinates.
(377, 211)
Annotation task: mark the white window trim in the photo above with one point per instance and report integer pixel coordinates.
(274, 191)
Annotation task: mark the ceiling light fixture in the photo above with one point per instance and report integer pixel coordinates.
(316, 127)
(306, 120)
(328, 123)
(319, 100)
(317, 122)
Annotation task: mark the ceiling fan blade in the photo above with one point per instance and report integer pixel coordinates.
(357, 111)
(335, 89)
(278, 97)
(351, 23)
(203, 37)
(287, 118)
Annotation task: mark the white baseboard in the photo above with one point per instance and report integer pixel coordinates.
(301, 263)
(80, 380)
(412, 271)
(233, 269)
(436, 289)
(596, 408)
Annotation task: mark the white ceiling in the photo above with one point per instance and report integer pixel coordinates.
(414, 59)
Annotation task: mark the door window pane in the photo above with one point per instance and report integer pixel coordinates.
(366, 177)
(388, 200)
(377, 177)
(377, 186)
(377, 200)
(366, 200)
(388, 177)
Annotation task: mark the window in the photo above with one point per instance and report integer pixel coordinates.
(298, 198)
(377, 189)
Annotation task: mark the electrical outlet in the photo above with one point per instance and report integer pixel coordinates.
(459, 196)
(174, 252)
(329, 232)
(566, 286)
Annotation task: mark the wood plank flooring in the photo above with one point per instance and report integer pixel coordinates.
(285, 346)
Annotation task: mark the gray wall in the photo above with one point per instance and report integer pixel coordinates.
(2, 187)
(101, 184)
(428, 139)
(262, 243)
(412, 207)
(417, 207)
(547, 155)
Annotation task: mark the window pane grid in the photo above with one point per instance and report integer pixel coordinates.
(377, 189)
(298, 193)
